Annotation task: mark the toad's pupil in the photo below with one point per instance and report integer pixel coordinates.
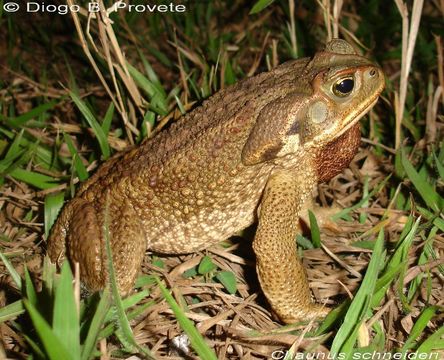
(345, 86)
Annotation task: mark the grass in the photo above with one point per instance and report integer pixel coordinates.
(73, 94)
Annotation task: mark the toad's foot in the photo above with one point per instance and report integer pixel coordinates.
(323, 215)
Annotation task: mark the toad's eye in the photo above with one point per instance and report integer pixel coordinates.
(343, 87)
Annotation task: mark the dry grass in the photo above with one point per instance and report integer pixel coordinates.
(237, 326)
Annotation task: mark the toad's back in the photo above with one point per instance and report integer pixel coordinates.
(188, 185)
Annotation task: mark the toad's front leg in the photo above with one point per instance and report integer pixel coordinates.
(280, 271)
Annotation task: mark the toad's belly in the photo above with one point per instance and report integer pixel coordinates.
(209, 224)
(199, 232)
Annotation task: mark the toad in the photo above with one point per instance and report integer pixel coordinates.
(253, 151)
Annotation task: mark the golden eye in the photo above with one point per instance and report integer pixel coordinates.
(343, 87)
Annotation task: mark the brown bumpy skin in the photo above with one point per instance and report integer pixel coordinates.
(256, 149)
(281, 274)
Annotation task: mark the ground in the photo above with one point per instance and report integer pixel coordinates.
(58, 125)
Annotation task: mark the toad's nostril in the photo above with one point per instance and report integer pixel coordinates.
(372, 72)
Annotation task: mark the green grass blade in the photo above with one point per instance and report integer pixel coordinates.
(428, 194)
(363, 216)
(93, 123)
(107, 120)
(129, 302)
(260, 5)
(398, 261)
(158, 100)
(35, 347)
(11, 311)
(206, 265)
(54, 348)
(14, 274)
(126, 335)
(53, 204)
(110, 329)
(180, 105)
(66, 318)
(152, 76)
(77, 161)
(230, 77)
(421, 323)
(426, 255)
(196, 339)
(363, 201)
(38, 180)
(401, 259)
(433, 342)
(13, 159)
(314, 229)
(14, 148)
(124, 332)
(346, 335)
(13, 162)
(439, 166)
(18, 148)
(48, 274)
(24, 118)
(429, 250)
(160, 56)
(96, 325)
(437, 221)
(228, 280)
(30, 292)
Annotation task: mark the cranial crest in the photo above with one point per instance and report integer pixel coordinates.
(339, 46)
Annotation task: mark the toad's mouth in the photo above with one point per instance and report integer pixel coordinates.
(358, 117)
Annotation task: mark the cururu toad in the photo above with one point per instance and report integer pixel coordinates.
(255, 150)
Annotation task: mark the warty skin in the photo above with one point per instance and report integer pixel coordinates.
(253, 151)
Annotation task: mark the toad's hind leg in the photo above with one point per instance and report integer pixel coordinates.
(57, 239)
(86, 245)
(280, 271)
(128, 245)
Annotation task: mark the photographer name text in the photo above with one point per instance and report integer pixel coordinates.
(92, 7)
